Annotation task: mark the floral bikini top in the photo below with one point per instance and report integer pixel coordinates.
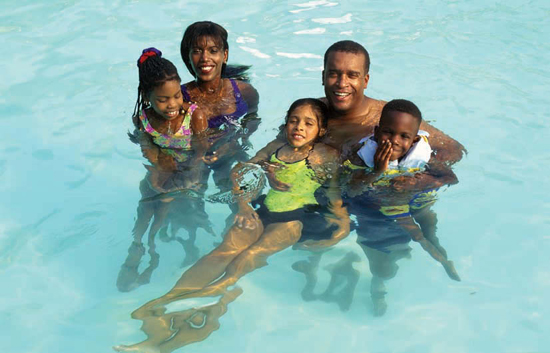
(177, 145)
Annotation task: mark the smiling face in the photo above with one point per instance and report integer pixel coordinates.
(401, 129)
(302, 126)
(207, 58)
(167, 100)
(345, 79)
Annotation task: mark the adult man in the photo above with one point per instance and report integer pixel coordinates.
(353, 116)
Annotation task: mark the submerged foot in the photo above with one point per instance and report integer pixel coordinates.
(379, 306)
(451, 271)
(309, 269)
(378, 296)
(345, 277)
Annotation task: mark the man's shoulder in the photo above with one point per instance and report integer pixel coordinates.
(374, 104)
(327, 152)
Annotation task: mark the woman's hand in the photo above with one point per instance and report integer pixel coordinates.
(247, 218)
(226, 150)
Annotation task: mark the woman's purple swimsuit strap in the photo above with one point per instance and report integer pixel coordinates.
(232, 118)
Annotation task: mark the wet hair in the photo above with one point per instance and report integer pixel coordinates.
(219, 36)
(349, 46)
(401, 105)
(154, 71)
(320, 109)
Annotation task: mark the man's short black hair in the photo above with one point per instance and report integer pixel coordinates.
(349, 46)
(401, 105)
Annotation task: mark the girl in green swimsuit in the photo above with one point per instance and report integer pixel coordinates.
(282, 219)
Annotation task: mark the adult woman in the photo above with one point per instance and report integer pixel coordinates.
(229, 103)
(220, 90)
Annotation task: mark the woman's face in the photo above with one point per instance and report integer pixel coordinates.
(207, 58)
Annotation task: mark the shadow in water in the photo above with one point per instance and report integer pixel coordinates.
(343, 279)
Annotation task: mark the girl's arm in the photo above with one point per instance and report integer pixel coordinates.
(246, 216)
(153, 153)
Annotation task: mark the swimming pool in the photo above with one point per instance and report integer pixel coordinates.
(69, 176)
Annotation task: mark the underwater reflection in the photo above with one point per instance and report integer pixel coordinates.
(167, 332)
(161, 212)
(342, 283)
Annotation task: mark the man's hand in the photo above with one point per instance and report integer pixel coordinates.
(270, 169)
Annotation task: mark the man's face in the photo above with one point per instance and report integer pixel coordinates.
(345, 79)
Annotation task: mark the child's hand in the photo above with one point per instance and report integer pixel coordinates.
(382, 156)
(247, 218)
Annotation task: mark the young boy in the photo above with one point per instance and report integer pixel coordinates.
(390, 209)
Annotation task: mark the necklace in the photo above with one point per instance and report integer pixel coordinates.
(211, 91)
(170, 132)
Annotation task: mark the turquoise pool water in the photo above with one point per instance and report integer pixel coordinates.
(69, 176)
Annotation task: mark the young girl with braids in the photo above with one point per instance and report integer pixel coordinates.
(170, 132)
(165, 123)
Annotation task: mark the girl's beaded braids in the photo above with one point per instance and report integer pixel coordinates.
(154, 70)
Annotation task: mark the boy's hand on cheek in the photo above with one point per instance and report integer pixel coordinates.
(382, 156)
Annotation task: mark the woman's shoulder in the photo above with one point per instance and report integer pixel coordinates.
(249, 94)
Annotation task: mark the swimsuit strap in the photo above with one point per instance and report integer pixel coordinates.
(306, 159)
(147, 125)
(185, 93)
(186, 123)
(241, 108)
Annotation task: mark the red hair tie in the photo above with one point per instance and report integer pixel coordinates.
(147, 53)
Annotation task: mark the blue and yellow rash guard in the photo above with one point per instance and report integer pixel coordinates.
(413, 162)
